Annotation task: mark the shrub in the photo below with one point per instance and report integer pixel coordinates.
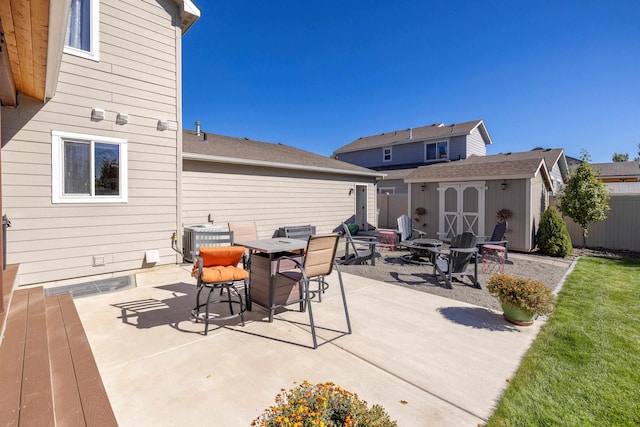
(528, 295)
(322, 405)
(553, 237)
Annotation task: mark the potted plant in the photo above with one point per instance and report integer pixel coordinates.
(503, 215)
(522, 299)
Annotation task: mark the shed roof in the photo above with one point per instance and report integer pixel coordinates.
(228, 149)
(424, 133)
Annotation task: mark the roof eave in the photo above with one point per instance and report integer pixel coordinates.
(189, 14)
(277, 165)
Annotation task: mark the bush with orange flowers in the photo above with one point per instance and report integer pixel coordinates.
(528, 295)
(324, 405)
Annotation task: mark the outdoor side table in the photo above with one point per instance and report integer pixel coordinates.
(386, 239)
(493, 257)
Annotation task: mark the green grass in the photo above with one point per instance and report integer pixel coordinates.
(584, 367)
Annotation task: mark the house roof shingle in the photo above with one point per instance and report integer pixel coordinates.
(424, 133)
(616, 169)
(246, 151)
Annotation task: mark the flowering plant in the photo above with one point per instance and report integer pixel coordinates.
(325, 405)
(503, 214)
(528, 295)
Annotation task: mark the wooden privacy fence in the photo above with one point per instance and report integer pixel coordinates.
(390, 207)
(618, 231)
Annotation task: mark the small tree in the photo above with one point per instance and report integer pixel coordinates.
(553, 237)
(585, 199)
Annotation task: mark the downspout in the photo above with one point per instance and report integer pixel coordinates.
(179, 161)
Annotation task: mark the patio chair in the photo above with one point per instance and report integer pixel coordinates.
(318, 261)
(216, 268)
(301, 232)
(407, 232)
(497, 238)
(358, 250)
(243, 231)
(462, 251)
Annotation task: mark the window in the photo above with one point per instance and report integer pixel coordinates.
(386, 154)
(437, 151)
(88, 169)
(82, 31)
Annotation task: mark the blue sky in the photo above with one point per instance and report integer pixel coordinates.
(317, 75)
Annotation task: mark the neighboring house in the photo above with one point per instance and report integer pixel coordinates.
(466, 195)
(404, 150)
(226, 179)
(619, 177)
(91, 145)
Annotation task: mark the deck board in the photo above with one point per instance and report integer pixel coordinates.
(36, 402)
(12, 358)
(95, 402)
(67, 404)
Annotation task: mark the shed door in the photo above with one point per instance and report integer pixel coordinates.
(461, 209)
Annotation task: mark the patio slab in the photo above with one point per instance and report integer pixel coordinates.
(447, 359)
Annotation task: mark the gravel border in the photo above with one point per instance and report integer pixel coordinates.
(391, 268)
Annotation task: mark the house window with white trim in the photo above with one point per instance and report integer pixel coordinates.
(386, 154)
(437, 151)
(82, 30)
(88, 169)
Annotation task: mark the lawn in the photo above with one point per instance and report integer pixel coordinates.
(584, 367)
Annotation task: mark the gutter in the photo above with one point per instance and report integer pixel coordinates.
(262, 163)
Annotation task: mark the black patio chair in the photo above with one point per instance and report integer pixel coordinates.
(462, 251)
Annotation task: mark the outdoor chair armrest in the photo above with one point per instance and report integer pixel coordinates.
(464, 250)
(297, 263)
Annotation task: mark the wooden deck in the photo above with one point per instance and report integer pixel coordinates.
(48, 373)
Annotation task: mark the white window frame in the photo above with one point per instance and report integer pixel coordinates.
(426, 145)
(384, 154)
(93, 53)
(57, 166)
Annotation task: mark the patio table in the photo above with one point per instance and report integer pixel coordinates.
(419, 249)
(262, 271)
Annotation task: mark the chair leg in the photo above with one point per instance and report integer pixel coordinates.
(307, 301)
(344, 298)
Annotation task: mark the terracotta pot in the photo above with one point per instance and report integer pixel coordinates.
(517, 316)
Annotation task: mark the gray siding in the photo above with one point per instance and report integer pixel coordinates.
(137, 74)
(365, 158)
(458, 148)
(556, 178)
(476, 144)
(271, 197)
(515, 199)
(398, 185)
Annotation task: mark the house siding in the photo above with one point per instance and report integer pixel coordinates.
(271, 197)
(475, 144)
(514, 198)
(137, 74)
(458, 148)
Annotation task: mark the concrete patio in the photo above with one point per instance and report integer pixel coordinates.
(448, 360)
